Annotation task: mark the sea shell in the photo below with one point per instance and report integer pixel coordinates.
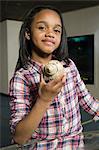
(52, 70)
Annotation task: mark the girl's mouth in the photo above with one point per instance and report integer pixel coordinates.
(49, 42)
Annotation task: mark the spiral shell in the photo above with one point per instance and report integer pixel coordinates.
(52, 70)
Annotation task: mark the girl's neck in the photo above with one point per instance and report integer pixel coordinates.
(40, 59)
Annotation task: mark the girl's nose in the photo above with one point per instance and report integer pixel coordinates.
(49, 33)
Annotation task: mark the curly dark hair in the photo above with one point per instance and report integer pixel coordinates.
(25, 50)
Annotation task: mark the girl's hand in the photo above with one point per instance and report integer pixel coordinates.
(48, 91)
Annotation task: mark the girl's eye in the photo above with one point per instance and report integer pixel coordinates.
(41, 28)
(57, 31)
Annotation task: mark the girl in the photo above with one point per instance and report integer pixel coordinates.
(46, 116)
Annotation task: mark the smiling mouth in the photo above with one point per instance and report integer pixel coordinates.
(48, 42)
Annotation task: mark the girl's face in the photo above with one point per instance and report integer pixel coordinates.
(46, 31)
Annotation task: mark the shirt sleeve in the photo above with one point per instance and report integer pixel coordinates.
(86, 100)
(19, 104)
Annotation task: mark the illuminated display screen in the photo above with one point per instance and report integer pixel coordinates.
(81, 51)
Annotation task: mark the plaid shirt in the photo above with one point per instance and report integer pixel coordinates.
(60, 127)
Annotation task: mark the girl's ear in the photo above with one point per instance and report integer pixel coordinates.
(27, 35)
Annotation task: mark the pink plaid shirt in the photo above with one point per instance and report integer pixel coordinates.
(60, 127)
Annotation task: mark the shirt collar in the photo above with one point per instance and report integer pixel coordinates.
(36, 65)
(33, 65)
